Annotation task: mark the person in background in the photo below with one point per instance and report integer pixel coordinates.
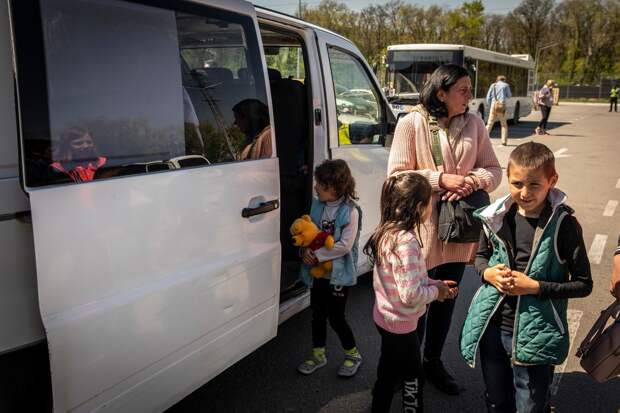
(613, 98)
(402, 289)
(531, 259)
(545, 101)
(252, 118)
(469, 163)
(499, 92)
(335, 212)
(77, 156)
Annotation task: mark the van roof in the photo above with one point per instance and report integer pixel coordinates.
(283, 17)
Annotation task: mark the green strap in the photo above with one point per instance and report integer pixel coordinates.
(435, 142)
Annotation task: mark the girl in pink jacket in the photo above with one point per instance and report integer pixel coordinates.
(402, 288)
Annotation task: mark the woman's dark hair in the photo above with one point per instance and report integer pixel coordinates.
(257, 114)
(337, 175)
(404, 197)
(443, 78)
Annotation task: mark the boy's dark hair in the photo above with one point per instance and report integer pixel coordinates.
(443, 78)
(336, 174)
(403, 198)
(533, 155)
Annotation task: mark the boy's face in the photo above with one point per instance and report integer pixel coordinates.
(529, 188)
(325, 193)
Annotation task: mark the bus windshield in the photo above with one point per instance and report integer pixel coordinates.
(408, 70)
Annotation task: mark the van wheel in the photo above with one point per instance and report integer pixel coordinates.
(481, 112)
(515, 118)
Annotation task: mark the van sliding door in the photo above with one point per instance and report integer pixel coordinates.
(360, 123)
(153, 181)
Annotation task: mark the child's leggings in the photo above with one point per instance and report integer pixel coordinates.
(328, 303)
(400, 362)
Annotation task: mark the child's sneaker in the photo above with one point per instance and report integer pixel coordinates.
(318, 360)
(351, 364)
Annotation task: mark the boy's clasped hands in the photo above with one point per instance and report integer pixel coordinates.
(510, 282)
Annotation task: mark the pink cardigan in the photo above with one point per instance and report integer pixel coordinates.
(469, 152)
(401, 284)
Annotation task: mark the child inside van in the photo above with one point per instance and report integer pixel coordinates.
(333, 211)
(402, 288)
(531, 259)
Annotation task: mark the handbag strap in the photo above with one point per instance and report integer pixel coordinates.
(433, 127)
(599, 326)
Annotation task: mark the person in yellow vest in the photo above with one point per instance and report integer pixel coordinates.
(613, 98)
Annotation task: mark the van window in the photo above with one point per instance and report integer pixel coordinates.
(137, 89)
(361, 117)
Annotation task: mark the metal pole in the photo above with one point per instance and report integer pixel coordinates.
(299, 12)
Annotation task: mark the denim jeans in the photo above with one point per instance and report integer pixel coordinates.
(512, 388)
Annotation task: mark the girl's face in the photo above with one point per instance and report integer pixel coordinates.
(83, 148)
(457, 97)
(325, 193)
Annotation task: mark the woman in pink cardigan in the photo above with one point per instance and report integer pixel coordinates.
(469, 163)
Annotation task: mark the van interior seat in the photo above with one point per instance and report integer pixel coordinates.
(290, 112)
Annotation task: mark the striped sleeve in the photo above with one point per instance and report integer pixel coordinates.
(410, 276)
(617, 250)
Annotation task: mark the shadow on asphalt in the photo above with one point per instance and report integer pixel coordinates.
(525, 129)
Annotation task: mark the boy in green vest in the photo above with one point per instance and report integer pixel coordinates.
(531, 259)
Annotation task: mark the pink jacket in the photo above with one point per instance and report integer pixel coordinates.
(402, 287)
(468, 152)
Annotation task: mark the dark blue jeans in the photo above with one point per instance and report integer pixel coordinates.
(512, 388)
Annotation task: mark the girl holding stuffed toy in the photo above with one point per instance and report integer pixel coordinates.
(402, 288)
(334, 211)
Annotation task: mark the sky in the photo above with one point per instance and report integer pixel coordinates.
(290, 6)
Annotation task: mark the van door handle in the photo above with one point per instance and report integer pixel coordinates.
(262, 208)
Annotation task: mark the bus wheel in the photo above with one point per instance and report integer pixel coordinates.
(515, 118)
(481, 112)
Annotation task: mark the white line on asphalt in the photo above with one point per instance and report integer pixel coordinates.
(560, 153)
(618, 184)
(597, 248)
(573, 317)
(610, 208)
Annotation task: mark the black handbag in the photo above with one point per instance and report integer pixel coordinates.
(456, 221)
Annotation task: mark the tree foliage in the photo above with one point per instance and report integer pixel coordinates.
(586, 33)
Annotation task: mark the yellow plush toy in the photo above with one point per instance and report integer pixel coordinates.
(307, 234)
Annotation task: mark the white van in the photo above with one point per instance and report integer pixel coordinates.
(152, 157)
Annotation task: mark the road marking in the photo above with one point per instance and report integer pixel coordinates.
(573, 317)
(597, 248)
(610, 208)
(560, 153)
(618, 184)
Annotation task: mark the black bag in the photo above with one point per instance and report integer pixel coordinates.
(456, 222)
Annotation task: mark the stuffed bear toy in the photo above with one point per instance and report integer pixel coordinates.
(307, 234)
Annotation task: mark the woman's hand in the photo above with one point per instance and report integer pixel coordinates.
(308, 257)
(499, 276)
(447, 290)
(456, 186)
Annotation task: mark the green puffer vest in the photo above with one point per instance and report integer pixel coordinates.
(540, 333)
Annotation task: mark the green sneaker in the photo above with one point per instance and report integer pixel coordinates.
(318, 360)
(351, 364)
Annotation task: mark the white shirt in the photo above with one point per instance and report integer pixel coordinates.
(347, 237)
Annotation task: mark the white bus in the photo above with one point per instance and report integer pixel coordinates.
(408, 66)
(171, 259)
